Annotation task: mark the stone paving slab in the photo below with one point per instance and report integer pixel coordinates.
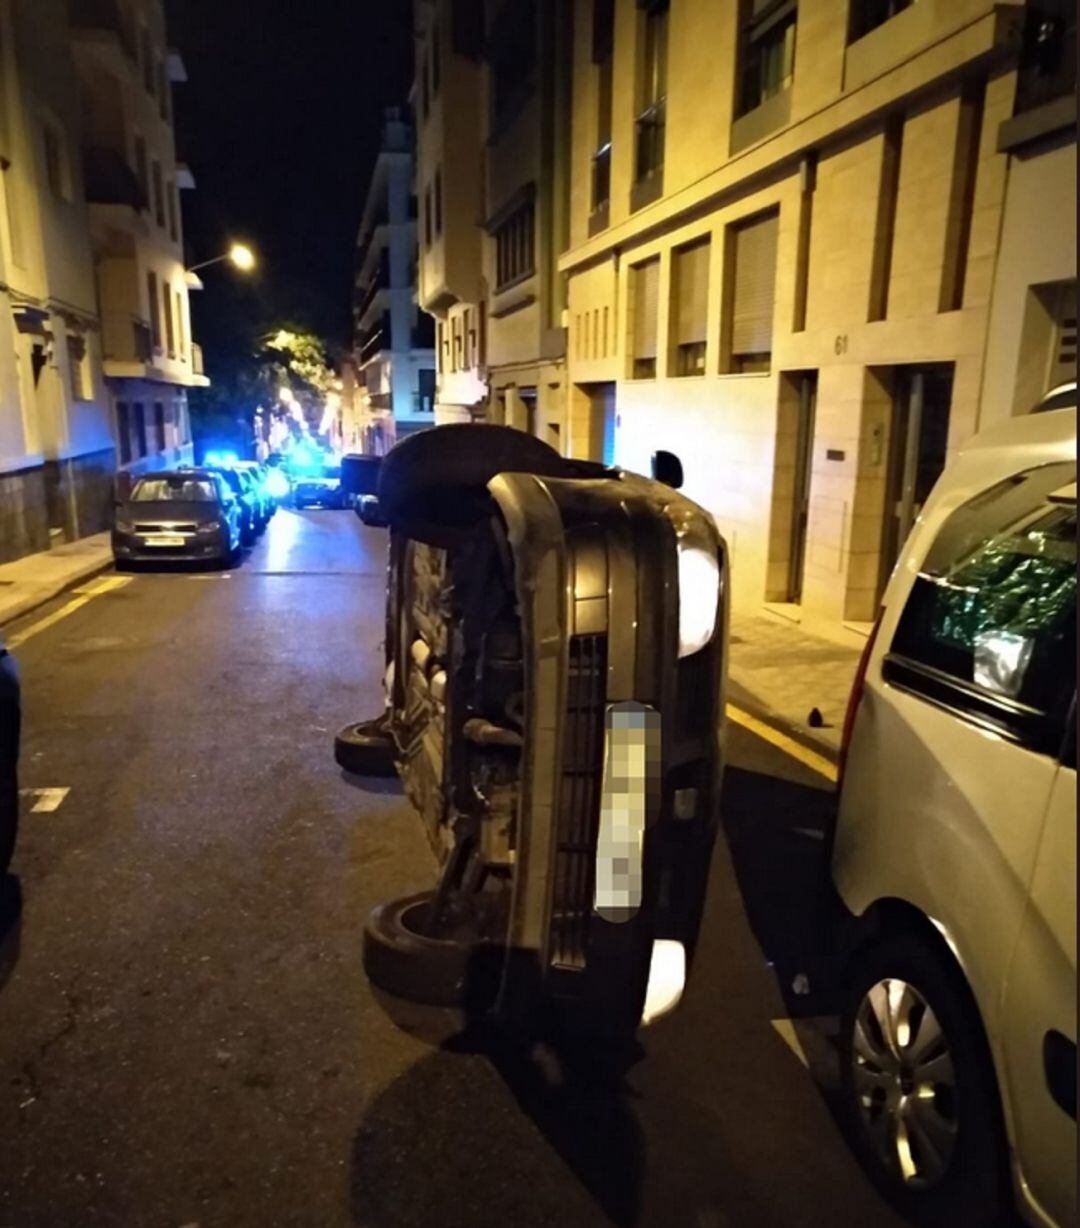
(30, 581)
(785, 672)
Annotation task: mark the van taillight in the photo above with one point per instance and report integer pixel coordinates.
(857, 688)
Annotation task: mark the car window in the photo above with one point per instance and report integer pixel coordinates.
(233, 480)
(173, 490)
(990, 626)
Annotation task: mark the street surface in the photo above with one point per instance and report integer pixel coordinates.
(186, 1035)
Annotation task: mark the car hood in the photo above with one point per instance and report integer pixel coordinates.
(170, 513)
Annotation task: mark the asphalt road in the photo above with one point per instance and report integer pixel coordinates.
(186, 1035)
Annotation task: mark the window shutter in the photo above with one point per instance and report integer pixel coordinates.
(692, 288)
(1063, 358)
(755, 286)
(646, 302)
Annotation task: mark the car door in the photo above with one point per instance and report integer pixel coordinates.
(1039, 1010)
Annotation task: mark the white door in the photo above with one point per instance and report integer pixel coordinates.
(1039, 1012)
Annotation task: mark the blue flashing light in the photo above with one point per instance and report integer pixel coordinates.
(277, 484)
(220, 459)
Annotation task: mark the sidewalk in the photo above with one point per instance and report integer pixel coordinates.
(30, 581)
(779, 673)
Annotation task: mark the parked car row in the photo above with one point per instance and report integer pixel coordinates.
(565, 761)
(206, 514)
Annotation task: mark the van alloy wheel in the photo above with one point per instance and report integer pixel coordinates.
(905, 1083)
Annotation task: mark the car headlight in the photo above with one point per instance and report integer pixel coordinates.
(124, 526)
(211, 526)
(699, 586)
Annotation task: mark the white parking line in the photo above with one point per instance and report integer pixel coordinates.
(786, 1031)
(46, 800)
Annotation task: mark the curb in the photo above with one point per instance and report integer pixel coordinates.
(42, 596)
(744, 698)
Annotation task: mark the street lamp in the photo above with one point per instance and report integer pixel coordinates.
(239, 254)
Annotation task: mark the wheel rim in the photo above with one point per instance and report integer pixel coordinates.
(905, 1083)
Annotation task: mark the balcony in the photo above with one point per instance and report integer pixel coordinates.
(110, 181)
(102, 21)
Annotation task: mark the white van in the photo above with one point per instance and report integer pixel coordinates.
(955, 845)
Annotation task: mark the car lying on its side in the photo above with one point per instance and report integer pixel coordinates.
(556, 655)
(955, 849)
(183, 514)
(251, 520)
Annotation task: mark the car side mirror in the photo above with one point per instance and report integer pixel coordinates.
(667, 468)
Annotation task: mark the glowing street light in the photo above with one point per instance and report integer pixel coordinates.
(239, 255)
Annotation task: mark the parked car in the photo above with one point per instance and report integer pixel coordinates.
(10, 722)
(955, 849)
(263, 508)
(555, 664)
(182, 514)
(322, 488)
(259, 476)
(251, 523)
(359, 477)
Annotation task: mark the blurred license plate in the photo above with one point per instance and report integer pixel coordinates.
(164, 539)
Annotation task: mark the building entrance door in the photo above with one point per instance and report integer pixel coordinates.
(804, 465)
(918, 437)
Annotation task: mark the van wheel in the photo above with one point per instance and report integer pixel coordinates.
(448, 968)
(919, 1087)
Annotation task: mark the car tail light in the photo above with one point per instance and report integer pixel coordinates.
(857, 688)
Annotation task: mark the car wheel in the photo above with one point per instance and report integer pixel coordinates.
(366, 748)
(452, 968)
(919, 1087)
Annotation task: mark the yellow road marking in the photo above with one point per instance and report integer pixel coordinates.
(86, 594)
(786, 1030)
(809, 758)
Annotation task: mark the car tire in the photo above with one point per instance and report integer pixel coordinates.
(423, 477)
(366, 749)
(961, 1116)
(404, 961)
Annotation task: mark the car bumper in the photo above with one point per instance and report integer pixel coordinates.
(132, 549)
(598, 592)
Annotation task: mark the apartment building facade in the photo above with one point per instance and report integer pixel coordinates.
(56, 446)
(126, 71)
(391, 379)
(784, 230)
(492, 108)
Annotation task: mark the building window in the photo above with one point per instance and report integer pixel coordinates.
(140, 429)
(78, 367)
(436, 61)
(1047, 69)
(159, 425)
(123, 431)
(752, 252)
(645, 297)
(511, 56)
(155, 309)
(652, 92)
(159, 196)
(767, 51)
(603, 59)
(515, 247)
(163, 91)
(427, 216)
(147, 59)
(455, 339)
(174, 221)
(181, 331)
(170, 331)
(690, 307)
(437, 195)
(142, 169)
(56, 171)
(867, 15)
(426, 394)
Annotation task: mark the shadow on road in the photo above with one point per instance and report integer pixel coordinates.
(780, 837)
(10, 925)
(442, 1144)
(376, 785)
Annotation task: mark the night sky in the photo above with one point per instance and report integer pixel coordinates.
(280, 122)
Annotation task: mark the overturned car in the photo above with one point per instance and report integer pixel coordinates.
(556, 654)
